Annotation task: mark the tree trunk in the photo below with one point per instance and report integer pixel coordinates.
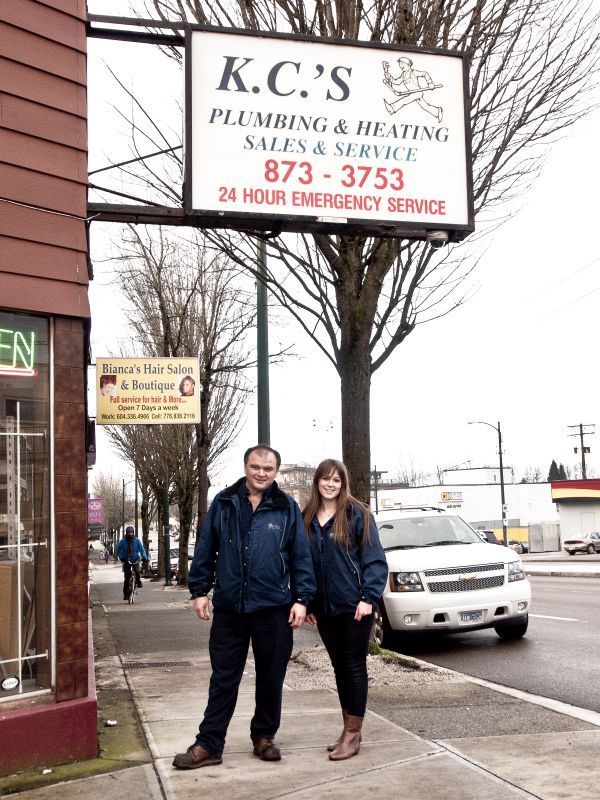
(355, 384)
(186, 510)
(202, 444)
(145, 526)
(158, 495)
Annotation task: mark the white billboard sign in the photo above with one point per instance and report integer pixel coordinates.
(321, 134)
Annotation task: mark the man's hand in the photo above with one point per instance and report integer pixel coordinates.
(297, 615)
(362, 610)
(202, 607)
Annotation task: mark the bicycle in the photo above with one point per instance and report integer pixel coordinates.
(132, 585)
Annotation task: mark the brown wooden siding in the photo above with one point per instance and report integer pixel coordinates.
(61, 264)
(43, 156)
(43, 269)
(48, 56)
(48, 20)
(42, 87)
(38, 226)
(45, 123)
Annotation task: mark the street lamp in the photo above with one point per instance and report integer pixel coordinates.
(504, 522)
(126, 483)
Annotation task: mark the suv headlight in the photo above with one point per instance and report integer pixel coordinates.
(405, 582)
(515, 571)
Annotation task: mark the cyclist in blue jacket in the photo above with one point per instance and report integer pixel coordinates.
(351, 573)
(131, 553)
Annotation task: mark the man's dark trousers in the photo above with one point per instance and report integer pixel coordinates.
(230, 636)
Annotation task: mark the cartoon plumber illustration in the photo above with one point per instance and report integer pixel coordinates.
(409, 86)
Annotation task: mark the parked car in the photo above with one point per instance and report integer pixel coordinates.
(443, 577)
(488, 536)
(153, 561)
(518, 546)
(584, 543)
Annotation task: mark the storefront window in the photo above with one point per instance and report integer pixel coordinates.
(25, 629)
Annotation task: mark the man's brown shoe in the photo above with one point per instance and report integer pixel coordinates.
(266, 749)
(194, 757)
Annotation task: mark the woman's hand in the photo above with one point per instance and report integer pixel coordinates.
(362, 610)
(311, 619)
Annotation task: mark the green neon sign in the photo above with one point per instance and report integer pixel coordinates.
(17, 352)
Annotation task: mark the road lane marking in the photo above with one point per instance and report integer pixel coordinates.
(547, 616)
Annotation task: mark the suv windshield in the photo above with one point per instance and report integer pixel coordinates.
(409, 532)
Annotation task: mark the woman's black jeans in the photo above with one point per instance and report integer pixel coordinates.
(347, 642)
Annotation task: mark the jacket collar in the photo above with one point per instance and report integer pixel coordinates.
(278, 499)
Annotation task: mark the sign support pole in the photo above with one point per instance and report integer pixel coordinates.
(262, 346)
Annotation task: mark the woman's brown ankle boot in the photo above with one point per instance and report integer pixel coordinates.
(333, 745)
(349, 744)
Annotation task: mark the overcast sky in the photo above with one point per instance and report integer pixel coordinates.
(522, 351)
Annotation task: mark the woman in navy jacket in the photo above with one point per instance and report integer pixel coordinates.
(351, 573)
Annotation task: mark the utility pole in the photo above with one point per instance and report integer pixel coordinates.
(502, 497)
(581, 433)
(376, 474)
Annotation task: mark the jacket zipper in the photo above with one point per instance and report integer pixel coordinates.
(323, 569)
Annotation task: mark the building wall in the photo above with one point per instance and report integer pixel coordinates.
(480, 504)
(43, 156)
(577, 518)
(44, 270)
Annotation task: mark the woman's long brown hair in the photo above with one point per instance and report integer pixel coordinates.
(344, 500)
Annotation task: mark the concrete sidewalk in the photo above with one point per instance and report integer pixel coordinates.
(562, 565)
(511, 745)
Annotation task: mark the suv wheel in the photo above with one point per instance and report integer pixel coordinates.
(591, 549)
(511, 631)
(571, 552)
(382, 634)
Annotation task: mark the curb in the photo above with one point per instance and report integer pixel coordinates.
(576, 712)
(557, 574)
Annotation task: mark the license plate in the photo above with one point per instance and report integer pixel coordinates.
(471, 616)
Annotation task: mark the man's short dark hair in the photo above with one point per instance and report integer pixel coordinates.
(267, 447)
(130, 529)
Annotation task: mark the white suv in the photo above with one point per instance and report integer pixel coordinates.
(442, 577)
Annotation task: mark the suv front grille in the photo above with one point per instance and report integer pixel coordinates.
(460, 570)
(489, 582)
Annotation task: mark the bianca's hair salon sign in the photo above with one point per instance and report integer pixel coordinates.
(147, 391)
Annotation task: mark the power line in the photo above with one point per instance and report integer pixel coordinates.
(566, 278)
(572, 303)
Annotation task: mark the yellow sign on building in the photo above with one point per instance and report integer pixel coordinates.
(147, 391)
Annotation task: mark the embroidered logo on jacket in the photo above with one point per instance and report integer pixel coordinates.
(273, 526)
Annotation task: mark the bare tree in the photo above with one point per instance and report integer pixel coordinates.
(532, 63)
(149, 449)
(183, 302)
(297, 480)
(413, 476)
(533, 474)
(109, 488)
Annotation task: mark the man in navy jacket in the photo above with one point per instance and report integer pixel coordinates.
(253, 553)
